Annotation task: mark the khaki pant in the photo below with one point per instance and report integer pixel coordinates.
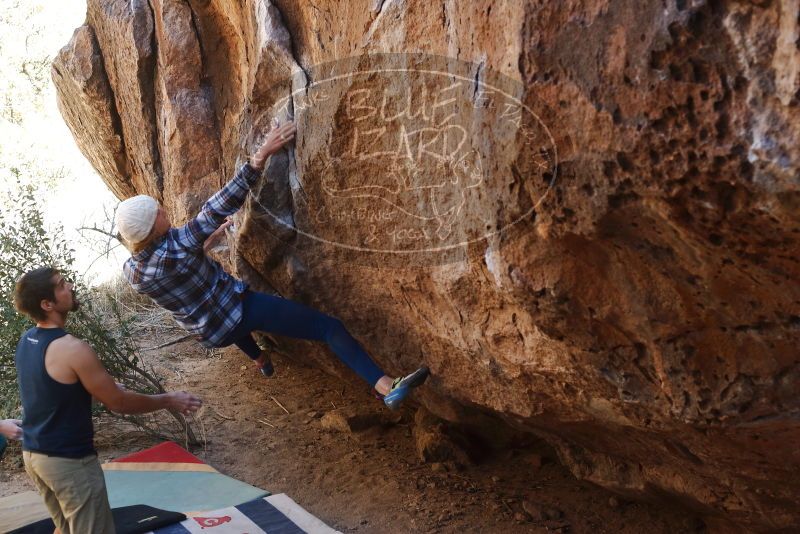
(74, 492)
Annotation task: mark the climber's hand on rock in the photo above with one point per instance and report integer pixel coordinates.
(227, 223)
(275, 140)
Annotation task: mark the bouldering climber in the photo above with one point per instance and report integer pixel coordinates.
(170, 266)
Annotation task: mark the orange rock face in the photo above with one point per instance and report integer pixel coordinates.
(582, 215)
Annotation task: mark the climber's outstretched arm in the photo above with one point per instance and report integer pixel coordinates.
(230, 198)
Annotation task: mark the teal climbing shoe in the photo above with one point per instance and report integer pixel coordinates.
(401, 387)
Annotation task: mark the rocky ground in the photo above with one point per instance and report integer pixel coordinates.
(357, 466)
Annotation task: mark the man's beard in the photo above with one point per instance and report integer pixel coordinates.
(75, 302)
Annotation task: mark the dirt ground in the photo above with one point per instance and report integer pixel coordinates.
(369, 481)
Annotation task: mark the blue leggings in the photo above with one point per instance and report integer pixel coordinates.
(276, 315)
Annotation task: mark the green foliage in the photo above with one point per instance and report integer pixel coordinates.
(26, 243)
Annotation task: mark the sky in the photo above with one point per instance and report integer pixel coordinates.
(31, 33)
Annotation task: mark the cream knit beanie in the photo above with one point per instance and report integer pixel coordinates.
(135, 218)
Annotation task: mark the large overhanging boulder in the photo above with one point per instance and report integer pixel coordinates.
(582, 215)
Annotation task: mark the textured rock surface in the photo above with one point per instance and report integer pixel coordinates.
(642, 315)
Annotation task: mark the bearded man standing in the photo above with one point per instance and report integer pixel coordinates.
(58, 375)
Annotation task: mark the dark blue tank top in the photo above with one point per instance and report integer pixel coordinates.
(57, 418)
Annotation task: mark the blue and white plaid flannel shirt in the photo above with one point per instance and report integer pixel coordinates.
(175, 272)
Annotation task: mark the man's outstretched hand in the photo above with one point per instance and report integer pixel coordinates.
(275, 140)
(182, 402)
(10, 428)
